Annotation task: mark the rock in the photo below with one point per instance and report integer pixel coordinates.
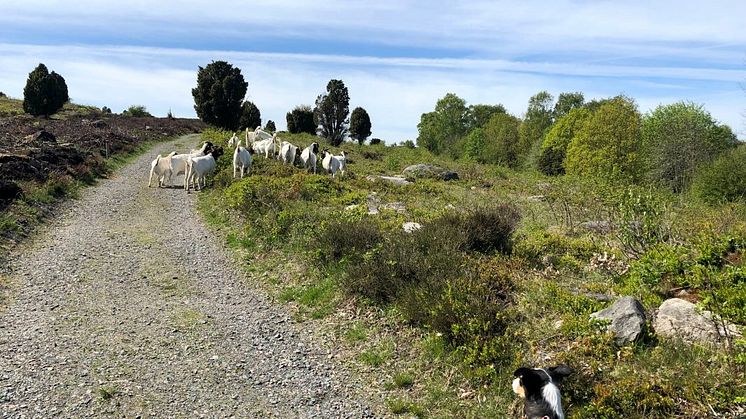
(411, 226)
(99, 123)
(627, 319)
(395, 206)
(40, 137)
(429, 171)
(373, 203)
(600, 227)
(537, 198)
(396, 180)
(677, 318)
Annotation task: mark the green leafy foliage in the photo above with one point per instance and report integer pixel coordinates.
(554, 147)
(724, 179)
(501, 138)
(360, 125)
(677, 140)
(440, 130)
(300, 119)
(607, 145)
(477, 116)
(566, 102)
(537, 121)
(137, 111)
(251, 117)
(332, 112)
(218, 95)
(45, 93)
(270, 127)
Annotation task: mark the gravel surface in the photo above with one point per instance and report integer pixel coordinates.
(126, 305)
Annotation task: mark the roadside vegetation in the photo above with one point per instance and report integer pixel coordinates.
(504, 272)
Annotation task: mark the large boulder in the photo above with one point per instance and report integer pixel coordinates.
(429, 171)
(627, 318)
(680, 319)
(40, 137)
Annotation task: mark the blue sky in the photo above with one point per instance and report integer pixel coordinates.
(396, 57)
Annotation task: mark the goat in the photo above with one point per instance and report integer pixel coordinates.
(233, 141)
(179, 161)
(342, 161)
(242, 159)
(161, 167)
(330, 163)
(250, 138)
(265, 146)
(199, 167)
(308, 155)
(288, 152)
(262, 134)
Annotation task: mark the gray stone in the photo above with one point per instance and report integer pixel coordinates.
(396, 180)
(537, 198)
(429, 171)
(677, 318)
(627, 319)
(600, 227)
(411, 226)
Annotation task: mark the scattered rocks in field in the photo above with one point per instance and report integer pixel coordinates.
(19, 167)
(627, 318)
(677, 318)
(375, 206)
(411, 226)
(396, 180)
(428, 171)
(599, 227)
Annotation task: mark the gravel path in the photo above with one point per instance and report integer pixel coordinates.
(127, 306)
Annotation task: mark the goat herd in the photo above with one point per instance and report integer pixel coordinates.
(197, 164)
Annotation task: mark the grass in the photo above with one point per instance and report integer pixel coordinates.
(282, 222)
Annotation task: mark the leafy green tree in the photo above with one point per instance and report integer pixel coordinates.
(138, 111)
(501, 140)
(250, 118)
(270, 127)
(679, 138)
(567, 102)
(554, 147)
(477, 116)
(332, 112)
(607, 145)
(360, 125)
(441, 129)
(218, 95)
(45, 93)
(724, 179)
(300, 119)
(537, 121)
(474, 145)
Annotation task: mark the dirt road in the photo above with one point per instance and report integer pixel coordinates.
(127, 306)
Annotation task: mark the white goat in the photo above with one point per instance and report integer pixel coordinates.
(179, 161)
(250, 138)
(288, 152)
(242, 159)
(233, 141)
(308, 155)
(199, 167)
(342, 161)
(330, 163)
(262, 134)
(161, 167)
(265, 146)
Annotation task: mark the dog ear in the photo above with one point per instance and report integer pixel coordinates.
(559, 372)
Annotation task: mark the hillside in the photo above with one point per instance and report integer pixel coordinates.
(505, 272)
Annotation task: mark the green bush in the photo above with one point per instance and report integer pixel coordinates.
(546, 248)
(138, 111)
(484, 230)
(724, 179)
(348, 239)
(45, 93)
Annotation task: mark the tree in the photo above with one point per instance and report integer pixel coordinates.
(45, 93)
(501, 140)
(300, 119)
(360, 125)
(218, 95)
(724, 179)
(678, 139)
(567, 102)
(250, 116)
(537, 121)
(270, 127)
(607, 145)
(477, 116)
(441, 129)
(554, 147)
(332, 112)
(138, 111)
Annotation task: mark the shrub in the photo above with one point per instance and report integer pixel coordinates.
(374, 141)
(137, 111)
(106, 110)
(554, 146)
(348, 240)
(300, 119)
(501, 139)
(45, 93)
(270, 126)
(360, 125)
(484, 230)
(724, 179)
(550, 161)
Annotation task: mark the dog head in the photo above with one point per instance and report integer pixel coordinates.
(539, 388)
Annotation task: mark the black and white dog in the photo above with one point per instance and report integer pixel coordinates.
(539, 388)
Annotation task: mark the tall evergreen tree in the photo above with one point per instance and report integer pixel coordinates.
(332, 112)
(360, 125)
(300, 119)
(45, 93)
(250, 116)
(219, 93)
